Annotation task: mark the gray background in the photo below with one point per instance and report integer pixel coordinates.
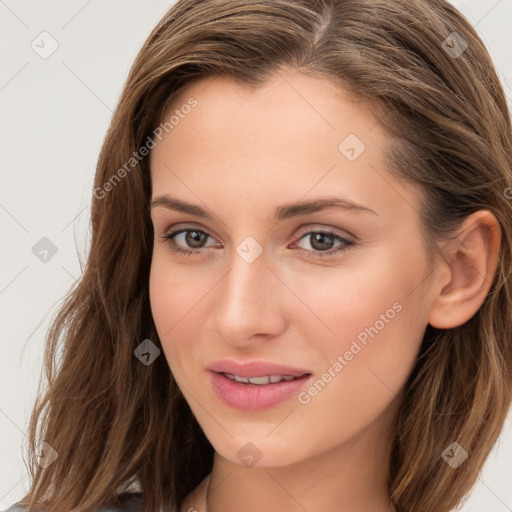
(55, 113)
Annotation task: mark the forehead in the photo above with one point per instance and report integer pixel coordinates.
(294, 135)
(291, 104)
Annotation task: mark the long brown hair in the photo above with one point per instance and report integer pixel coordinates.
(111, 419)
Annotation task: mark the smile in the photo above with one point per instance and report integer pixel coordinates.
(260, 381)
(255, 393)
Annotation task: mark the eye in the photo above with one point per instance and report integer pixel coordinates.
(192, 236)
(321, 242)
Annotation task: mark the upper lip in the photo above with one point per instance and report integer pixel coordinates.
(255, 369)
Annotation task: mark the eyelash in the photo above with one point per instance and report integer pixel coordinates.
(347, 243)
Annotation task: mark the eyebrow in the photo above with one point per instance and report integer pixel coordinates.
(284, 211)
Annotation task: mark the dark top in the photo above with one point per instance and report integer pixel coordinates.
(130, 502)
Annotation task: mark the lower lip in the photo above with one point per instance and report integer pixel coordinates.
(252, 397)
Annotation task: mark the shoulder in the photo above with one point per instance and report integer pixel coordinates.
(130, 502)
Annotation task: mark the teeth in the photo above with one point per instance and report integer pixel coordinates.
(261, 381)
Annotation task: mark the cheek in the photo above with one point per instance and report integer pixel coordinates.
(162, 296)
(173, 291)
(376, 319)
(177, 298)
(379, 298)
(343, 301)
(168, 304)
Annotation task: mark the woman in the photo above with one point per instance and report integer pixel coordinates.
(298, 293)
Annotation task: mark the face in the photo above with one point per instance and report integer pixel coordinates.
(334, 291)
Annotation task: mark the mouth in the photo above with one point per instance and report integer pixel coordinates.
(263, 380)
(256, 393)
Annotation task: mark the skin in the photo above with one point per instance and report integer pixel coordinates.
(241, 153)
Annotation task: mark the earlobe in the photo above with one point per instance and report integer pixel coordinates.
(472, 259)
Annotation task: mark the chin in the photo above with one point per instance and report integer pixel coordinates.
(258, 451)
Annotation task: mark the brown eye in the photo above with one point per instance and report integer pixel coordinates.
(183, 239)
(322, 243)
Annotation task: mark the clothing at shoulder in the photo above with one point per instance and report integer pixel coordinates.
(130, 502)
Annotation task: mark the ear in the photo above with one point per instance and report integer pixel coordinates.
(470, 262)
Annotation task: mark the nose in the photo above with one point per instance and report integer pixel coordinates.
(248, 303)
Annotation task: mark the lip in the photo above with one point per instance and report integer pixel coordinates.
(255, 368)
(252, 397)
